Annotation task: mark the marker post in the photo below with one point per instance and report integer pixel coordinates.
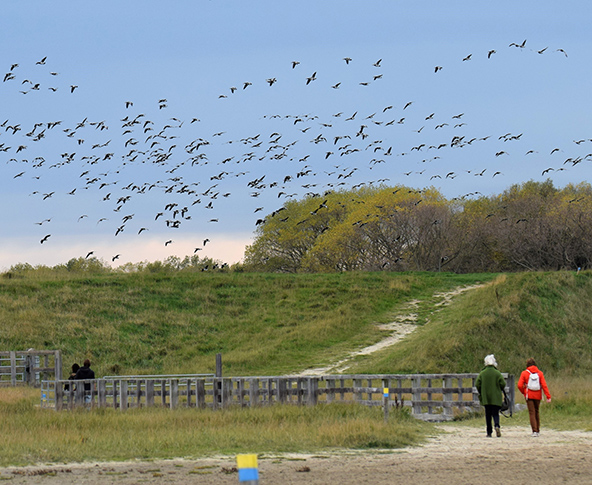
(385, 403)
(248, 472)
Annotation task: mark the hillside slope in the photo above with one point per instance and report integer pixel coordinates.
(266, 324)
(177, 322)
(516, 316)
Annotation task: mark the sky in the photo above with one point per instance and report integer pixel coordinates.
(134, 131)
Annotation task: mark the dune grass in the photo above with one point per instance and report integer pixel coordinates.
(263, 324)
(278, 324)
(515, 316)
(33, 435)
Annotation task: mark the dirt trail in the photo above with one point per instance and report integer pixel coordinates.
(399, 329)
(458, 454)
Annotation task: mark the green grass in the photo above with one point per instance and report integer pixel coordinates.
(263, 324)
(33, 435)
(267, 324)
(516, 316)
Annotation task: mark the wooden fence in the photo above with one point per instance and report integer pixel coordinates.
(29, 367)
(432, 397)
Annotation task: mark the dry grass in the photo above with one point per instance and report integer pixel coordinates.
(34, 435)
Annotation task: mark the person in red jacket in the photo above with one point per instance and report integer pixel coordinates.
(532, 384)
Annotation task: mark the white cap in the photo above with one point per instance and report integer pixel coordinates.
(490, 360)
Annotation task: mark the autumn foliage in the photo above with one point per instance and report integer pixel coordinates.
(532, 226)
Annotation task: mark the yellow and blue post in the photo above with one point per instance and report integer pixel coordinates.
(248, 473)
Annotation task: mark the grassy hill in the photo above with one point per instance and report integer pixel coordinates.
(276, 324)
(268, 324)
(515, 316)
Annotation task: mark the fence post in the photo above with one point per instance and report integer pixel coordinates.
(138, 393)
(385, 398)
(357, 392)
(281, 390)
(59, 396)
(312, 387)
(174, 401)
(57, 362)
(79, 394)
(216, 391)
(28, 374)
(226, 392)
(102, 393)
(253, 392)
(123, 395)
(447, 396)
(240, 391)
(416, 394)
(115, 393)
(188, 391)
(511, 384)
(218, 382)
(330, 389)
(149, 393)
(475, 392)
(200, 393)
(299, 390)
(12, 368)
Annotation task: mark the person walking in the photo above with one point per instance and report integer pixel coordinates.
(532, 384)
(490, 385)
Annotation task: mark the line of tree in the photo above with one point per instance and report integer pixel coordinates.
(95, 266)
(530, 226)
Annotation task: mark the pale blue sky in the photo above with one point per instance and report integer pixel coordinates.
(192, 53)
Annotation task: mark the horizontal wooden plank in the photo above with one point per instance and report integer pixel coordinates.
(21, 353)
(446, 404)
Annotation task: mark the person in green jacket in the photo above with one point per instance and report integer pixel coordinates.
(490, 384)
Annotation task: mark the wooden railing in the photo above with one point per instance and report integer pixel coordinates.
(29, 367)
(430, 396)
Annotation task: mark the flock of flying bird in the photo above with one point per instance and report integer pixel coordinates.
(198, 174)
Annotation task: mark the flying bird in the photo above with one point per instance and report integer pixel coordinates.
(521, 46)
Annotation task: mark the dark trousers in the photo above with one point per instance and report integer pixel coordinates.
(491, 413)
(533, 414)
